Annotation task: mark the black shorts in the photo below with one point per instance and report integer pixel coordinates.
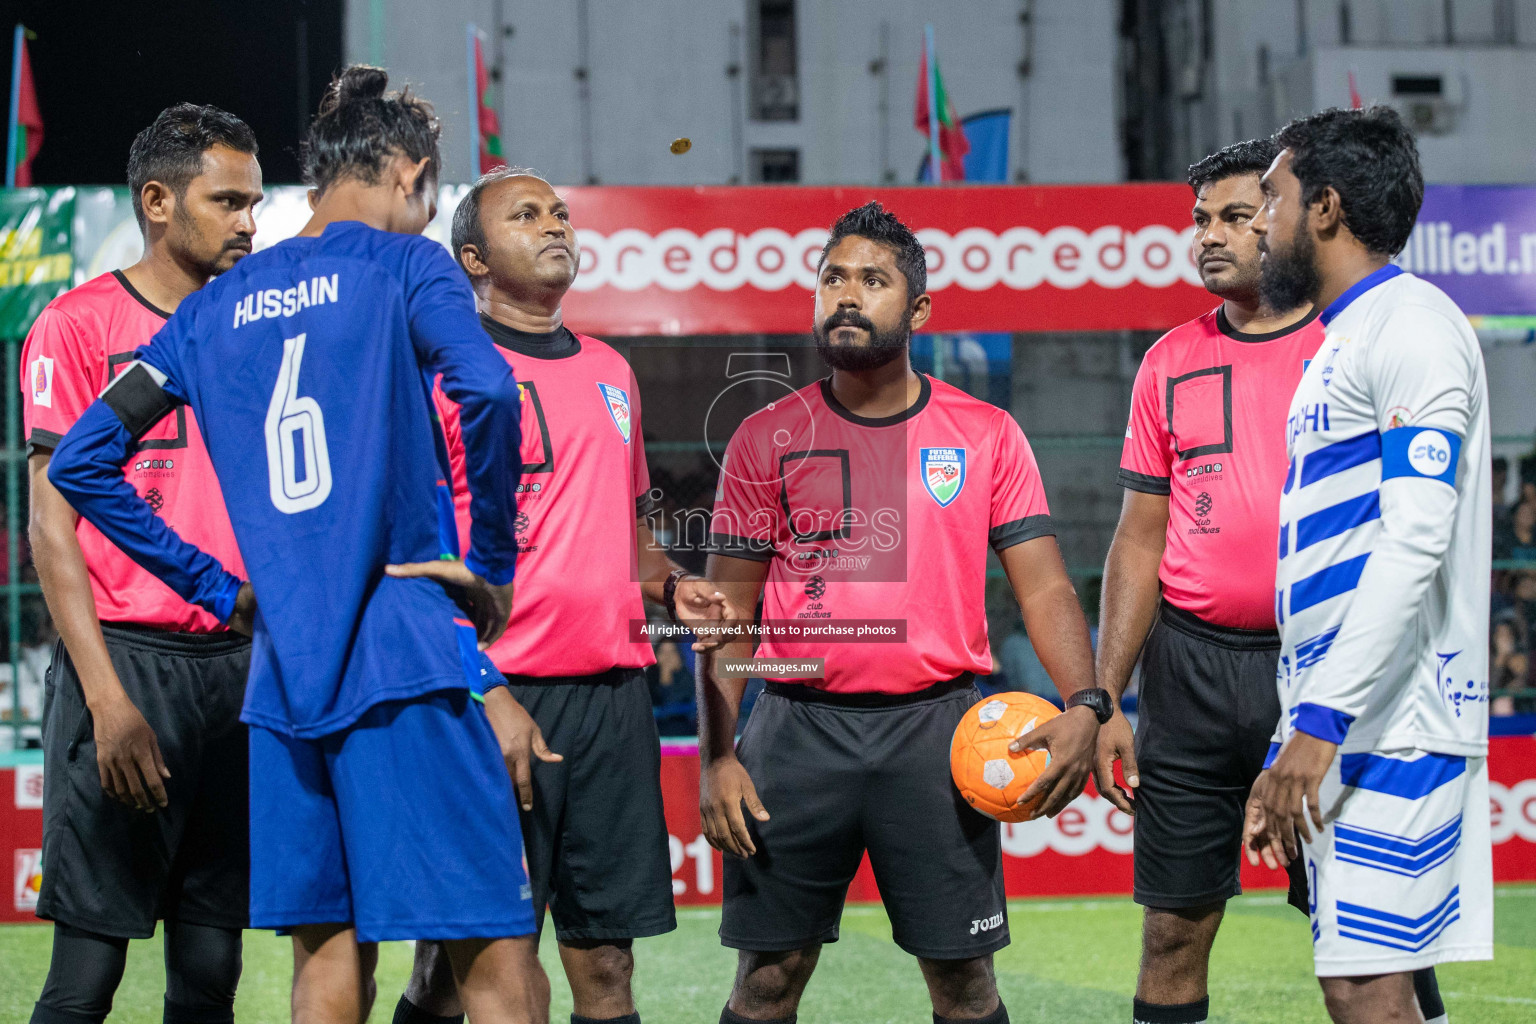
(1207, 713)
(110, 869)
(596, 839)
(840, 779)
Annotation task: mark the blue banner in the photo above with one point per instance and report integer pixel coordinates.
(987, 159)
(987, 132)
(1478, 244)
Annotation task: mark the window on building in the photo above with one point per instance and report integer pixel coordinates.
(775, 166)
(775, 87)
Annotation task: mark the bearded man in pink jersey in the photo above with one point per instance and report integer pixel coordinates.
(587, 559)
(871, 500)
(1189, 590)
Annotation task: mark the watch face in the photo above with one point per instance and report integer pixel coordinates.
(1098, 701)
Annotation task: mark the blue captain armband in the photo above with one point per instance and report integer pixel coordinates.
(1426, 452)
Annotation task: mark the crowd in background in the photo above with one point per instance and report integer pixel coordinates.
(1512, 635)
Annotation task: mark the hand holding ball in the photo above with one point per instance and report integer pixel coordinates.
(987, 773)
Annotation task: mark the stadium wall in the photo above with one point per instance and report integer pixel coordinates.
(1458, 72)
(1099, 89)
(569, 102)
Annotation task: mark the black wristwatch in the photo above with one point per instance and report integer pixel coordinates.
(669, 591)
(1096, 700)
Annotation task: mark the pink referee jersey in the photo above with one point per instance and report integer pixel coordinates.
(1207, 428)
(584, 484)
(79, 343)
(879, 520)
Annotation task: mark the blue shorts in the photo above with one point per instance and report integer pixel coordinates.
(403, 824)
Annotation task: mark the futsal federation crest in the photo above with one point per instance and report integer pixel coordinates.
(943, 472)
(617, 402)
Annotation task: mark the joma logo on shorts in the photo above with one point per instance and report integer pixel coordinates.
(987, 924)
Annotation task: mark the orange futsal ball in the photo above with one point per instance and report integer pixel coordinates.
(987, 773)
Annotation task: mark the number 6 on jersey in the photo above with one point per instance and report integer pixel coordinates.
(298, 463)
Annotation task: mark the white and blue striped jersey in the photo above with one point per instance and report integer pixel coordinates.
(1385, 536)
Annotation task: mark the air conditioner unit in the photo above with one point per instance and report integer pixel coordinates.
(1427, 115)
(1429, 102)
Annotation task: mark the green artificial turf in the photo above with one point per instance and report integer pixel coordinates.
(1071, 962)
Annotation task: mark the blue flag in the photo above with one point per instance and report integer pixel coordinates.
(987, 159)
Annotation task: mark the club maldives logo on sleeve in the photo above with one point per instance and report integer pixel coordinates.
(617, 401)
(42, 382)
(943, 472)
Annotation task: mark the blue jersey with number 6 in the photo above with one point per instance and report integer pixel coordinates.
(307, 366)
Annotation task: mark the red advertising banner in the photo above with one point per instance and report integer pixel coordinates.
(21, 839)
(678, 261)
(742, 260)
(1085, 850)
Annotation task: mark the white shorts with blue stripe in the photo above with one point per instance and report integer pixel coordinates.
(1402, 876)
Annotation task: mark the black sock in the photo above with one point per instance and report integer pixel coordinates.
(48, 1015)
(83, 974)
(407, 1012)
(997, 1016)
(202, 973)
(177, 1013)
(727, 1016)
(1427, 988)
(1177, 1013)
(628, 1018)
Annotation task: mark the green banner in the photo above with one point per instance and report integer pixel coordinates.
(36, 258)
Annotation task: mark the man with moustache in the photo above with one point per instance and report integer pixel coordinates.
(571, 657)
(144, 798)
(855, 758)
(1207, 696)
(1188, 587)
(1379, 762)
